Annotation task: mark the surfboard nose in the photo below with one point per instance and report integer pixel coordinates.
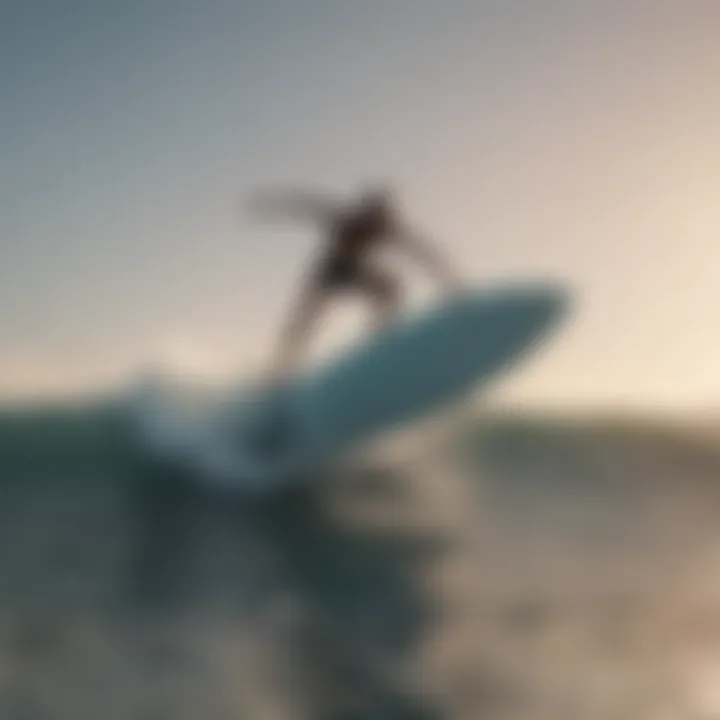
(500, 322)
(538, 306)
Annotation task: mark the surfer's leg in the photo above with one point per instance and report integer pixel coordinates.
(384, 291)
(307, 313)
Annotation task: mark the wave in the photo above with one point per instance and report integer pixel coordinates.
(66, 435)
(116, 585)
(100, 433)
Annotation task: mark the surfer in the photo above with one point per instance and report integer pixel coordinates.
(346, 262)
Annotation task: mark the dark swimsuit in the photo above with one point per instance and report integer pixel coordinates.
(346, 264)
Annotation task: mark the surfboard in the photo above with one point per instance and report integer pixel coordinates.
(261, 439)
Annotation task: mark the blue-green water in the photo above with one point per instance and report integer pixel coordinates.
(129, 591)
(99, 546)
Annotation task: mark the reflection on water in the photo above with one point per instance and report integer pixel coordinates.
(574, 575)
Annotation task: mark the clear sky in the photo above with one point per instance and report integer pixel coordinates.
(573, 138)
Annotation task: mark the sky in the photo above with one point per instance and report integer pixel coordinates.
(573, 139)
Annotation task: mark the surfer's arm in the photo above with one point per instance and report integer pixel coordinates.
(291, 205)
(417, 246)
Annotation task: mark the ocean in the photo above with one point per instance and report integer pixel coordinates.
(529, 567)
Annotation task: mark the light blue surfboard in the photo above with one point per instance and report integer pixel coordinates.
(264, 440)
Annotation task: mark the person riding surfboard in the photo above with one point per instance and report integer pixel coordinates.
(347, 262)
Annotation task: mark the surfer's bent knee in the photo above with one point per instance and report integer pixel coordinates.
(386, 291)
